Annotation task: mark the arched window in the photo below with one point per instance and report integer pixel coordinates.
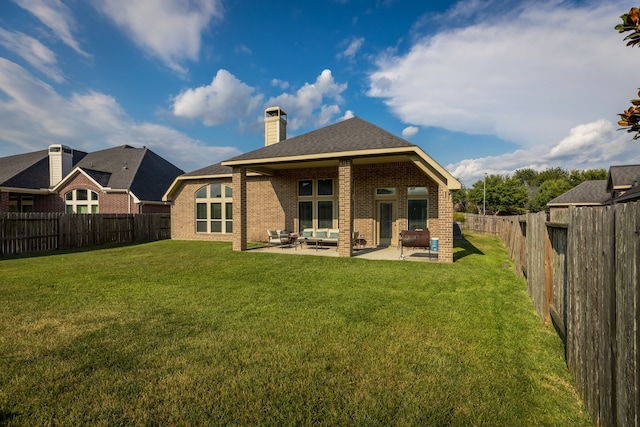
(81, 201)
(214, 209)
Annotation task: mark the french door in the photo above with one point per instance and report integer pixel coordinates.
(385, 222)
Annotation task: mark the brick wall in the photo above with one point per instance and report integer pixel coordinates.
(272, 203)
(345, 174)
(107, 202)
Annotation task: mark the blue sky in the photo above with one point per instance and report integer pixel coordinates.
(481, 86)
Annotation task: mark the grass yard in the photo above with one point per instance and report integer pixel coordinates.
(192, 333)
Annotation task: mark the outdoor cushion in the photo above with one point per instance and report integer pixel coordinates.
(307, 233)
(321, 234)
(333, 234)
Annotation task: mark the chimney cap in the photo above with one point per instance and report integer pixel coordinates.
(274, 111)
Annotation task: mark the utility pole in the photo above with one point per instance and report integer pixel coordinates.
(484, 195)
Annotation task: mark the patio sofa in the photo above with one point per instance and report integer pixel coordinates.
(320, 236)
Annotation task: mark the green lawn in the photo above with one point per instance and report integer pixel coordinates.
(191, 333)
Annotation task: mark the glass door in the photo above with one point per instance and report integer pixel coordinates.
(386, 222)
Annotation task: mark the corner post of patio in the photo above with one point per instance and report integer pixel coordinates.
(445, 215)
(239, 183)
(345, 214)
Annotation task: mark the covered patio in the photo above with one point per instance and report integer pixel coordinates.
(387, 253)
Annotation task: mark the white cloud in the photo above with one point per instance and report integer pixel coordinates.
(228, 99)
(57, 16)
(526, 75)
(33, 115)
(353, 47)
(592, 145)
(347, 115)
(34, 52)
(279, 83)
(169, 30)
(222, 101)
(585, 142)
(409, 131)
(307, 107)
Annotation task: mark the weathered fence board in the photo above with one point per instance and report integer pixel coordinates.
(22, 233)
(627, 297)
(584, 276)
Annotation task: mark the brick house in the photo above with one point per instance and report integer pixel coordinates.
(352, 175)
(116, 180)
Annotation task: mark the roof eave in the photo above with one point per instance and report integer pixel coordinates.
(26, 190)
(167, 196)
(320, 156)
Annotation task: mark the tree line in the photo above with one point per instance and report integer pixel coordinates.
(526, 190)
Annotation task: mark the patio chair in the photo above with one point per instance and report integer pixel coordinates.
(278, 238)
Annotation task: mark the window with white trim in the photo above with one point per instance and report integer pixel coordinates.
(316, 204)
(417, 208)
(81, 201)
(214, 209)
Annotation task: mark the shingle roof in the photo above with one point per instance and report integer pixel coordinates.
(588, 192)
(29, 170)
(139, 170)
(25, 170)
(353, 134)
(216, 169)
(623, 176)
(154, 176)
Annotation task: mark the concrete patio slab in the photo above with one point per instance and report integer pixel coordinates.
(388, 253)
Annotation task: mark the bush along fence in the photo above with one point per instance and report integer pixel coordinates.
(583, 277)
(22, 233)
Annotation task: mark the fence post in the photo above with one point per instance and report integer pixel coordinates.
(548, 275)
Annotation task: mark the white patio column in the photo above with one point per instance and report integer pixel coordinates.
(345, 191)
(239, 183)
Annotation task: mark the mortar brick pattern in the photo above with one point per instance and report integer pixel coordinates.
(108, 202)
(271, 202)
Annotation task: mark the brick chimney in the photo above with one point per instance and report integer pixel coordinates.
(60, 163)
(275, 125)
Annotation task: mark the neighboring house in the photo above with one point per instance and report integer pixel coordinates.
(588, 193)
(620, 186)
(351, 175)
(622, 183)
(116, 180)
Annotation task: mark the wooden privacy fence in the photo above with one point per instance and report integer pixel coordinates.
(583, 276)
(22, 233)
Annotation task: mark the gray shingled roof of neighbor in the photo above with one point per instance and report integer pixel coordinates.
(139, 170)
(29, 170)
(622, 177)
(587, 193)
(353, 134)
(25, 170)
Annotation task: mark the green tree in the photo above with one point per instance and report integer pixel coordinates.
(552, 173)
(504, 195)
(528, 176)
(549, 190)
(630, 119)
(579, 176)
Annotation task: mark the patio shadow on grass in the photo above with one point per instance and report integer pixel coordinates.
(467, 249)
